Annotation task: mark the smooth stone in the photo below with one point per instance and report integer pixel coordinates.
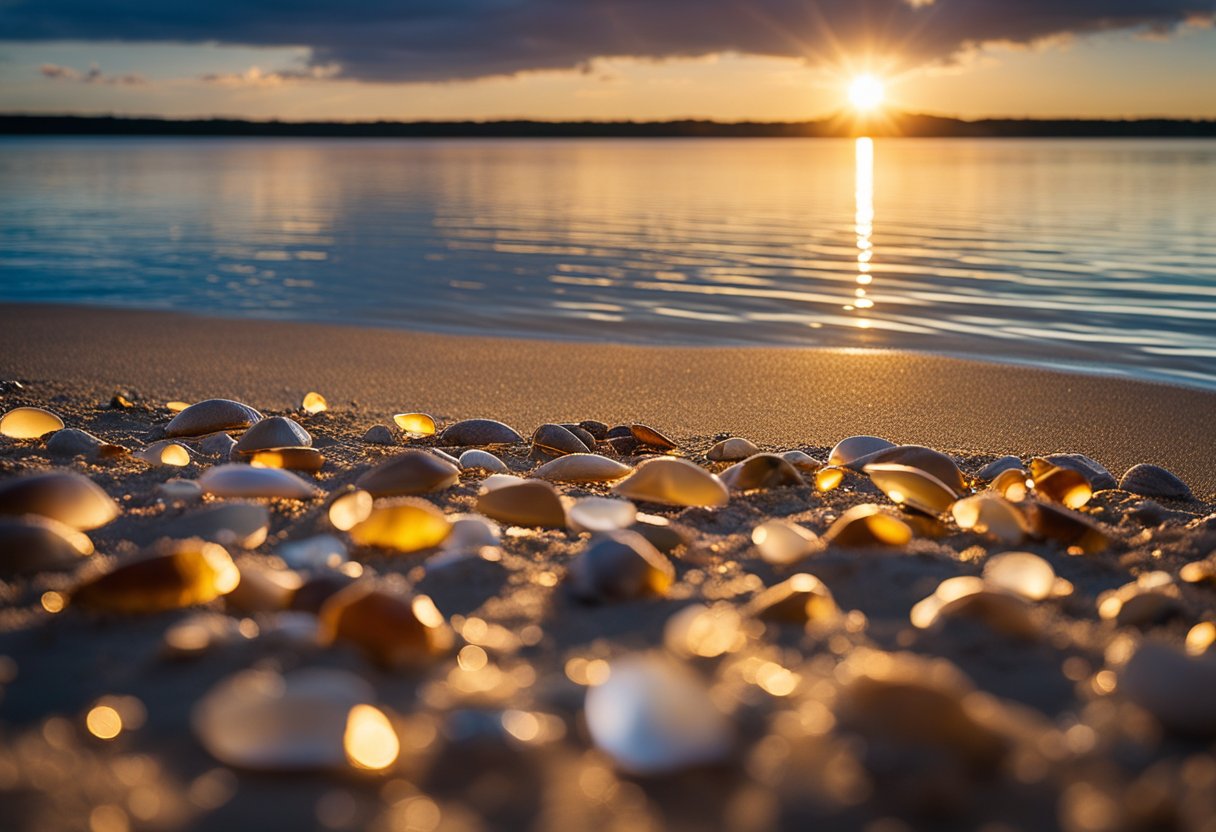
(1004, 463)
(602, 514)
(868, 525)
(992, 515)
(31, 544)
(732, 450)
(482, 460)
(392, 629)
(1155, 481)
(480, 432)
(235, 480)
(650, 437)
(309, 460)
(671, 481)
(617, 566)
(1099, 478)
(654, 716)
(322, 551)
(379, 435)
(800, 599)
(598, 430)
(931, 462)
(275, 432)
(29, 423)
(71, 498)
(556, 440)
(581, 467)
(1023, 573)
(244, 525)
(404, 524)
(71, 442)
(527, 503)
(912, 487)
(1172, 686)
(761, 472)
(211, 416)
(780, 542)
(179, 573)
(409, 473)
(847, 451)
(165, 452)
(217, 444)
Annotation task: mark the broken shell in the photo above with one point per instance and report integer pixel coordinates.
(405, 524)
(293, 459)
(991, 514)
(800, 599)
(782, 543)
(649, 436)
(732, 450)
(32, 544)
(580, 467)
(483, 460)
(231, 524)
(1099, 478)
(480, 432)
(314, 403)
(1022, 573)
(619, 565)
(1012, 484)
(698, 630)
(180, 573)
(761, 471)
(165, 452)
(66, 496)
(1070, 528)
(848, 451)
(913, 487)
(235, 480)
(1155, 481)
(211, 416)
(349, 509)
(415, 424)
(412, 472)
(528, 503)
(654, 716)
(322, 551)
(868, 525)
(379, 435)
(73, 442)
(997, 466)
(1063, 485)
(217, 444)
(802, 461)
(392, 629)
(555, 440)
(672, 481)
(1172, 686)
(29, 423)
(602, 514)
(275, 432)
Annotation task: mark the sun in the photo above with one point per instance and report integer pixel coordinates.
(866, 93)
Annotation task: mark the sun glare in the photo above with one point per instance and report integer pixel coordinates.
(865, 92)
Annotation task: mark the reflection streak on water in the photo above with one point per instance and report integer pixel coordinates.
(863, 218)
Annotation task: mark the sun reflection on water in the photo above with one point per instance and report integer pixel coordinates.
(863, 225)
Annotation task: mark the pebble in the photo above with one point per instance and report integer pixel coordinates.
(211, 416)
(236, 480)
(617, 566)
(71, 498)
(601, 514)
(484, 460)
(33, 544)
(409, 473)
(780, 542)
(849, 451)
(393, 629)
(555, 440)
(912, 487)
(380, 435)
(868, 525)
(671, 481)
(582, 467)
(243, 525)
(480, 432)
(275, 432)
(404, 524)
(29, 423)
(1154, 481)
(527, 503)
(732, 450)
(71, 442)
(178, 573)
(761, 472)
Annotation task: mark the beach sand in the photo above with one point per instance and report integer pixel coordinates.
(1053, 728)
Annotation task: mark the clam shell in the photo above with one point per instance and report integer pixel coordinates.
(275, 432)
(761, 472)
(1154, 481)
(650, 437)
(405, 525)
(602, 514)
(314, 403)
(1173, 687)
(783, 543)
(483, 460)
(321, 551)
(66, 496)
(211, 416)
(217, 444)
(675, 482)
(848, 451)
(1012, 484)
(235, 480)
(412, 472)
(293, 459)
(802, 461)
(415, 424)
(379, 435)
(617, 566)
(732, 450)
(995, 467)
(32, 544)
(654, 716)
(555, 440)
(480, 432)
(244, 525)
(800, 599)
(1099, 478)
(29, 423)
(991, 514)
(868, 525)
(999, 611)
(931, 462)
(1022, 573)
(578, 467)
(528, 503)
(165, 452)
(1062, 485)
(912, 487)
(393, 630)
(180, 573)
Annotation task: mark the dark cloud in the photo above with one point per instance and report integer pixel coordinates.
(438, 40)
(92, 75)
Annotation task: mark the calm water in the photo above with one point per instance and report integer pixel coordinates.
(1066, 252)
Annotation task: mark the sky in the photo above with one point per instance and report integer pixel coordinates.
(605, 59)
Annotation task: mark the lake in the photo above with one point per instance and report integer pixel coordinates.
(1091, 254)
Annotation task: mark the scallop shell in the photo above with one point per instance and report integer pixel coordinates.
(405, 525)
(617, 566)
(868, 525)
(912, 487)
(29, 423)
(555, 440)
(580, 467)
(602, 514)
(1154, 481)
(275, 432)
(761, 472)
(528, 503)
(235, 480)
(672, 481)
(66, 496)
(780, 542)
(232, 524)
(180, 573)
(394, 630)
(800, 599)
(32, 544)
(848, 451)
(480, 432)
(651, 438)
(412, 472)
(732, 450)
(211, 416)
(483, 460)
(991, 514)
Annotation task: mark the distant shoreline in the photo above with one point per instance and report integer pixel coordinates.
(907, 125)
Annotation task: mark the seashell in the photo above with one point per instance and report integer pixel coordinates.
(783, 543)
(1022, 573)
(1062, 485)
(310, 595)
(623, 445)
(969, 598)
(1153, 481)
(1013, 484)
(528, 503)
(707, 632)
(801, 599)
(598, 430)
(165, 452)
(672, 481)
(650, 437)
(217, 444)
(412, 472)
(471, 533)
(235, 480)
(578, 467)
(555, 440)
(178, 490)
(29, 423)
(654, 716)
(1201, 638)
(802, 461)
(662, 534)
(322, 551)
(314, 403)
(617, 566)
(31, 544)
(483, 460)
(71, 442)
(827, 479)
(415, 424)
(199, 633)
(761, 471)
(495, 481)
(1172, 686)
(619, 432)
(263, 589)
(211, 416)
(405, 525)
(997, 466)
(582, 436)
(445, 456)
(66, 496)
(992, 515)
(912, 487)
(176, 407)
(275, 432)
(349, 509)
(180, 573)
(732, 450)
(868, 525)
(934, 463)
(1070, 528)
(393, 630)
(231, 524)
(1150, 599)
(379, 435)
(602, 514)
(315, 719)
(1099, 478)
(293, 459)
(849, 451)
(480, 432)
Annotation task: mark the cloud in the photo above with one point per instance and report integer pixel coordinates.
(258, 77)
(445, 40)
(92, 75)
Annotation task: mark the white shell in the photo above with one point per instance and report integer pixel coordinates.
(991, 514)
(602, 514)
(578, 467)
(484, 460)
(676, 482)
(781, 542)
(234, 480)
(912, 487)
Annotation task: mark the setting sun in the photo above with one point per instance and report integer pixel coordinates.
(866, 92)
